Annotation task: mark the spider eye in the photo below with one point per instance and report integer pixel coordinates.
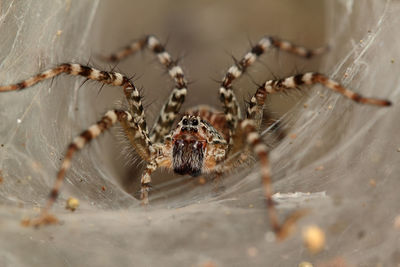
(195, 122)
(185, 121)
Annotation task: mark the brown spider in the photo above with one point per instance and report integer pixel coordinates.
(204, 140)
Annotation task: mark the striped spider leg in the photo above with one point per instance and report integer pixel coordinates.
(133, 122)
(226, 94)
(275, 86)
(228, 99)
(244, 134)
(254, 113)
(170, 109)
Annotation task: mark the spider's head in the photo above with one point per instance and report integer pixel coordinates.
(196, 146)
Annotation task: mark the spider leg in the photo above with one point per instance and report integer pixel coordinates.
(171, 108)
(255, 109)
(247, 132)
(146, 181)
(254, 142)
(111, 77)
(105, 77)
(127, 51)
(108, 120)
(239, 152)
(232, 162)
(138, 138)
(227, 96)
(272, 126)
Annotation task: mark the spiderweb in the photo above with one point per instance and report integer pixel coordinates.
(340, 160)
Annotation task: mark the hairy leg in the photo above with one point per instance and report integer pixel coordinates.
(171, 108)
(105, 77)
(256, 105)
(227, 96)
(108, 120)
(249, 128)
(146, 181)
(254, 142)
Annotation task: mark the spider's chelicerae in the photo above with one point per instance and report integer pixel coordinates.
(204, 140)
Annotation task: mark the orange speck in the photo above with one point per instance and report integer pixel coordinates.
(372, 182)
(209, 264)
(252, 252)
(397, 222)
(72, 204)
(319, 168)
(202, 180)
(314, 238)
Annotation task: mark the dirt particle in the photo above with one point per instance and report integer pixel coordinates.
(305, 264)
(361, 234)
(25, 222)
(319, 168)
(44, 219)
(209, 264)
(336, 262)
(252, 252)
(72, 204)
(201, 180)
(372, 182)
(314, 238)
(397, 222)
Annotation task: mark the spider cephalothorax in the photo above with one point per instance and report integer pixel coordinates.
(204, 141)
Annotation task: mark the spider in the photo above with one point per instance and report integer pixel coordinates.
(204, 140)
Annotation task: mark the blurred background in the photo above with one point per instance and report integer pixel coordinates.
(341, 159)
